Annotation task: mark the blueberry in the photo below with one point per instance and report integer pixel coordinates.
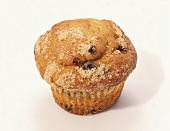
(93, 111)
(92, 49)
(76, 61)
(121, 49)
(91, 66)
(68, 108)
(88, 67)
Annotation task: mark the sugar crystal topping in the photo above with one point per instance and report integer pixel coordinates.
(121, 36)
(66, 80)
(83, 49)
(43, 43)
(72, 32)
(50, 70)
(94, 74)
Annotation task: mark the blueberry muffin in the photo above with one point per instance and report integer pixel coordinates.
(86, 62)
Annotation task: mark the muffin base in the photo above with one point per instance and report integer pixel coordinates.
(84, 103)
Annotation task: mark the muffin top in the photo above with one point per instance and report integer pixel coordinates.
(85, 54)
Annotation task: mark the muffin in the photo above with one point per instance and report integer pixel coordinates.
(86, 62)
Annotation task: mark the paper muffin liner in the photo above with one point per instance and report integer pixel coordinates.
(83, 103)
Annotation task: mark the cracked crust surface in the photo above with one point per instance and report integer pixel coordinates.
(85, 55)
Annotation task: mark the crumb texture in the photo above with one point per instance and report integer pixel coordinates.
(85, 54)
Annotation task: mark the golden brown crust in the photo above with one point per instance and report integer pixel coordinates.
(85, 54)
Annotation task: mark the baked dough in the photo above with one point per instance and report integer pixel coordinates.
(85, 55)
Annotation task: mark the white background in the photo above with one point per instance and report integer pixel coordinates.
(26, 102)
